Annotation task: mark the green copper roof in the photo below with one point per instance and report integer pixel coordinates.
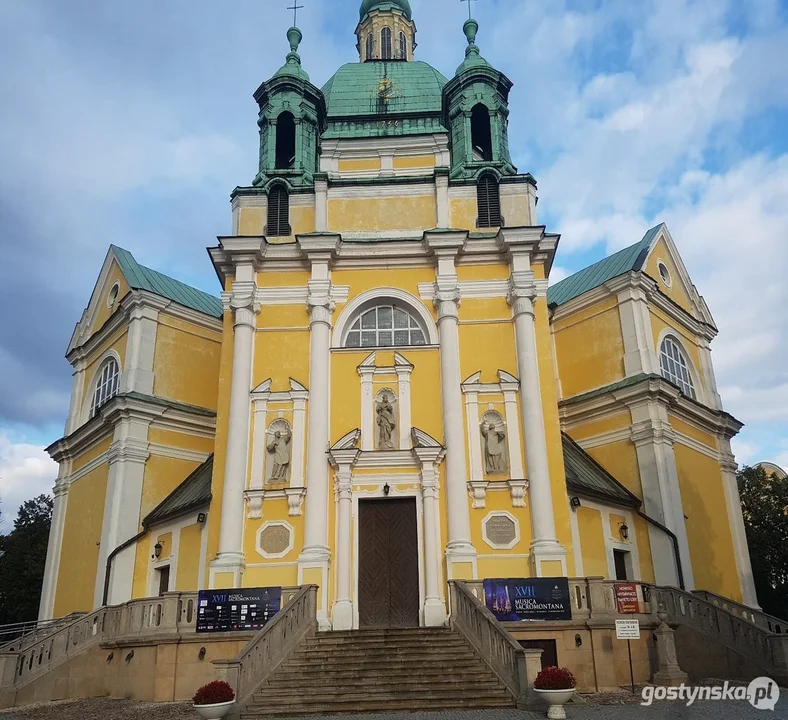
(626, 260)
(194, 492)
(585, 476)
(140, 277)
(384, 89)
(367, 6)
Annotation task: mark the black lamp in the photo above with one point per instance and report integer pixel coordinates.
(386, 489)
(157, 548)
(624, 531)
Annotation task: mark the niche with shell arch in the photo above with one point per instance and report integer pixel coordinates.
(278, 452)
(495, 453)
(386, 420)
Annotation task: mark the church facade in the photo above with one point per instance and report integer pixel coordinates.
(389, 392)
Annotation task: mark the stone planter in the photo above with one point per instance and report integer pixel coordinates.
(215, 712)
(556, 699)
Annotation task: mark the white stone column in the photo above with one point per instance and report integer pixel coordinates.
(299, 436)
(459, 548)
(513, 426)
(639, 354)
(367, 428)
(78, 400)
(709, 380)
(230, 558)
(343, 462)
(141, 346)
(46, 606)
(434, 603)
(127, 458)
(442, 199)
(315, 557)
(741, 550)
(544, 545)
(403, 387)
(321, 204)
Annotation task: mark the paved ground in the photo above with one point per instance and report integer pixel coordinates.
(614, 708)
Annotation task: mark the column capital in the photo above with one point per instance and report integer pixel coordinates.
(243, 303)
(652, 431)
(521, 298)
(318, 302)
(728, 463)
(447, 303)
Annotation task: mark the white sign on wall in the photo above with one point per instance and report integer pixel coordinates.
(628, 629)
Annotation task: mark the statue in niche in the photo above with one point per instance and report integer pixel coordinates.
(494, 435)
(279, 451)
(386, 420)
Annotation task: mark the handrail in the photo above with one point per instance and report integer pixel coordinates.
(758, 617)
(29, 633)
(504, 656)
(272, 645)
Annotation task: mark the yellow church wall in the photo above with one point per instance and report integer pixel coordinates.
(590, 348)
(251, 221)
(489, 348)
(295, 278)
(103, 313)
(708, 525)
(592, 542)
(406, 279)
(280, 356)
(644, 549)
(359, 164)
(91, 454)
(186, 365)
(616, 521)
(162, 476)
(499, 271)
(414, 161)
(620, 459)
(486, 310)
(463, 213)
(691, 431)
(271, 576)
(165, 540)
(80, 548)
(393, 213)
(604, 425)
(676, 292)
(142, 560)
(184, 441)
(189, 558)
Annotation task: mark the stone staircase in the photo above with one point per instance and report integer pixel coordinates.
(375, 670)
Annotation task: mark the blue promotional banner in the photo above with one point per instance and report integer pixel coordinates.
(514, 599)
(242, 609)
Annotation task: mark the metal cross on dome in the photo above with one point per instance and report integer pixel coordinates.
(470, 6)
(295, 7)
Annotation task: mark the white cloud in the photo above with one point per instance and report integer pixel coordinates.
(25, 471)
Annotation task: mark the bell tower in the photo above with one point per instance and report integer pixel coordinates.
(292, 117)
(386, 31)
(476, 110)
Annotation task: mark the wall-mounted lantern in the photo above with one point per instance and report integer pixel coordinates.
(624, 530)
(157, 548)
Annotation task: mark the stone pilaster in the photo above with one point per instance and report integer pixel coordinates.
(342, 614)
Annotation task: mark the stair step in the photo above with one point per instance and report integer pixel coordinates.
(361, 668)
(491, 700)
(388, 632)
(375, 685)
(383, 651)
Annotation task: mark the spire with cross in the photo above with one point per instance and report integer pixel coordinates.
(470, 7)
(295, 7)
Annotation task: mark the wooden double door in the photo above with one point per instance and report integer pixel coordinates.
(388, 563)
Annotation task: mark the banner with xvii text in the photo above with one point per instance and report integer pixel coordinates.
(513, 599)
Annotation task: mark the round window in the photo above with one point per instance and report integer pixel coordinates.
(664, 273)
(112, 298)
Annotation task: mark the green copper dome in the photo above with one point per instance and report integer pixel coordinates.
(384, 98)
(367, 6)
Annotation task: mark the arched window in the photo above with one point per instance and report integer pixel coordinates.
(403, 46)
(285, 142)
(385, 326)
(481, 134)
(675, 367)
(488, 196)
(370, 47)
(107, 382)
(385, 43)
(278, 212)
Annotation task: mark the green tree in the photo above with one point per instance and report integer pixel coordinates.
(764, 502)
(23, 555)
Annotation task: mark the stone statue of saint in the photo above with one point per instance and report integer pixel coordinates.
(494, 449)
(386, 424)
(279, 448)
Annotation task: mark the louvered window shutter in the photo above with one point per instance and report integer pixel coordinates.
(278, 212)
(489, 198)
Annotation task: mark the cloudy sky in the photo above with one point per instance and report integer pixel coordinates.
(130, 123)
